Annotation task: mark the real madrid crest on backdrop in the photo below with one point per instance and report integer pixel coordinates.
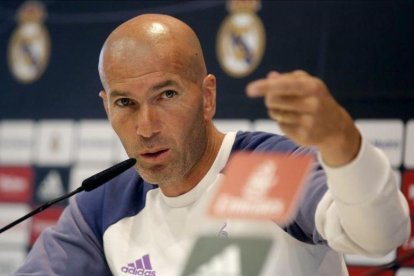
(29, 46)
(241, 38)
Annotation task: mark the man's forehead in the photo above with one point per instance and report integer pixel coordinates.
(139, 64)
(148, 69)
(153, 81)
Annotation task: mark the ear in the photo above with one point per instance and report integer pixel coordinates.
(104, 97)
(209, 96)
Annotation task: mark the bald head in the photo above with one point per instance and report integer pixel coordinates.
(151, 42)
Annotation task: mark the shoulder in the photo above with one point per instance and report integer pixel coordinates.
(120, 197)
(263, 141)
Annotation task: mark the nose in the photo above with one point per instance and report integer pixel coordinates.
(147, 122)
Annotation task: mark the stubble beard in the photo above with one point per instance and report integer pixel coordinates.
(178, 169)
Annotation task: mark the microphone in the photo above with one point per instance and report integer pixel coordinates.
(87, 185)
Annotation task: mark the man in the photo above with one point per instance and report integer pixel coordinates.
(160, 101)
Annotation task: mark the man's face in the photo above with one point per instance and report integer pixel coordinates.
(160, 119)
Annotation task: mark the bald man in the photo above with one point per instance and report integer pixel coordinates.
(160, 101)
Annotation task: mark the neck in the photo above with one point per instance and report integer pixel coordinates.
(200, 169)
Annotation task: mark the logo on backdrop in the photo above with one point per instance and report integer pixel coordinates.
(51, 186)
(29, 46)
(241, 38)
(16, 184)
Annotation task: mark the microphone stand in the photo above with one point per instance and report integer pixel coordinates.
(40, 209)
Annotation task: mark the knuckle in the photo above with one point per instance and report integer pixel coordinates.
(308, 122)
(268, 100)
(317, 86)
(314, 104)
(313, 85)
(271, 114)
(300, 73)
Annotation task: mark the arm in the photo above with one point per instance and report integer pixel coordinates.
(362, 211)
(69, 248)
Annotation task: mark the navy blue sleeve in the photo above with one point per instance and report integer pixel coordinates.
(123, 196)
(74, 246)
(303, 226)
(68, 248)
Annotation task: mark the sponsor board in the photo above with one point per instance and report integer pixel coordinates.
(55, 143)
(19, 234)
(51, 182)
(43, 220)
(16, 142)
(409, 145)
(16, 184)
(354, 259)
(404, 271)
(228, 125)
(406, 250)
(261, 186)
(408, 189)
(11, 258)
(365, 270)
(267, 125)
(80, 172)
(385, 134)
(397, 174)
(119, 153)
(95, 142)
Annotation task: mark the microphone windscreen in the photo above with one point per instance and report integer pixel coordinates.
(102, 177)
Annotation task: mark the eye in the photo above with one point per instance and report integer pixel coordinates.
(123, 102)
(169, 94)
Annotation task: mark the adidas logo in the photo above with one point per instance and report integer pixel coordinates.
(226, 263)
(141, 267)
(51, 186)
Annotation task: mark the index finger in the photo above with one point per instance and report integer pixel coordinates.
(254, 88)
(257, 88)
(282, 86)
(295, 84)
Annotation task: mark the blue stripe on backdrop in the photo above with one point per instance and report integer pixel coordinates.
(363, 50)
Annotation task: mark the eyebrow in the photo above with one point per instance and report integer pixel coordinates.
(163, 84)
(158, 86)
(117, 93)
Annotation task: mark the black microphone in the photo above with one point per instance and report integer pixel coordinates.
(88, 185)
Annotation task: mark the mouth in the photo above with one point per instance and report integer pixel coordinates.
(154, 155)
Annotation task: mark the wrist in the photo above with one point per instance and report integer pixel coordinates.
(342, 148)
